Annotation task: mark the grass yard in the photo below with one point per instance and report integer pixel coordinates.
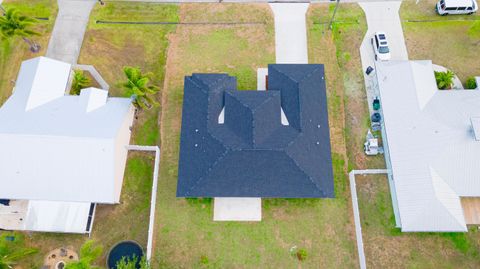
(186, 235)
(109, 47)
(13, 52)
(445, 40)
(385, 246)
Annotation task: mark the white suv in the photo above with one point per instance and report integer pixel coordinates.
(380, 46)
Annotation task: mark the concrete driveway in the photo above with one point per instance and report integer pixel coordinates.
(290, 32)
(69, 29)
(381, 16)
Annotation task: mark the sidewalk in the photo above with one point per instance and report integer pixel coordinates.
(69, 29)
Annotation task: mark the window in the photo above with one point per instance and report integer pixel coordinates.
(451, 8)
(462, 8)
(376, 41)
(383, 49)
(469, 8)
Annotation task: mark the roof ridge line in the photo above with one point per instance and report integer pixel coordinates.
(208, 171)
(301, 169)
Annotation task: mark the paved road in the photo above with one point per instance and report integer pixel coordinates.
(290, 32)
(69, 29)
(251, 1)
(381, 16)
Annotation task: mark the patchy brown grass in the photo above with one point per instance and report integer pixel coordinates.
(385, 246)
(443, 39)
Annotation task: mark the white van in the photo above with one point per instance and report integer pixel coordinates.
(445, 7)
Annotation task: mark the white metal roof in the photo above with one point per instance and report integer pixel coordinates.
(57, 147)
(64, 217)
(433, 150)
(459, 3)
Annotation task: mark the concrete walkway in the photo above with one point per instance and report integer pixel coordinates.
(69, 29)
(290, 32)
(381, 16)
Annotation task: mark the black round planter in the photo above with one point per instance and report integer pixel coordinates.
(127, 249)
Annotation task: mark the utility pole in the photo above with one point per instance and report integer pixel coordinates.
(333, 16)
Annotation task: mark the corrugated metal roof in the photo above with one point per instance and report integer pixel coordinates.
(60, 147)
(432, 147)
(252, 154)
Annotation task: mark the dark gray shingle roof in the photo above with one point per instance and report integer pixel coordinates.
(252, 154)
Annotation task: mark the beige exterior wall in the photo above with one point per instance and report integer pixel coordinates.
(121, 141)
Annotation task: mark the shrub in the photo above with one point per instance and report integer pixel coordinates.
(444, 79)
(132, 263)
(80, 81)
(204, 260)
(302, 254)
(471, 83)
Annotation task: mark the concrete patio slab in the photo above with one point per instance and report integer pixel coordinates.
(237, 209)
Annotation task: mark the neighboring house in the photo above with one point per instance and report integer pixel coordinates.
(234, 144)
(433, 139)
(60, 155)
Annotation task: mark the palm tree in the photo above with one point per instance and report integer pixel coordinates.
(13, 24)
(139, 88)
(88, 254)
(80, 81)
(444, 79)
(12, 250)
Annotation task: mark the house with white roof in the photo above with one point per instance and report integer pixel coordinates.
(432, 140)
(60, 154)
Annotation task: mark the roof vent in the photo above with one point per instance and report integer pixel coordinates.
(476, 127)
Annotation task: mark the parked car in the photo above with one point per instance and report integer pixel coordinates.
(380, 46)
(445, 7)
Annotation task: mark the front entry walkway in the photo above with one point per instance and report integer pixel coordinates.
(290, 32)
(69, 29)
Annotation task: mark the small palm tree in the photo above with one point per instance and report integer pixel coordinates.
(88, 254)
(12, 250)
(125, 263)
(444, 79)
(13, 24)
(139, 88)
(80, 81)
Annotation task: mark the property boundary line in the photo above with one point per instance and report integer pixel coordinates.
(356, 211)
(177, 23)
(153, 199)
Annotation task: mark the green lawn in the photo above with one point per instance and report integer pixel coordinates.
(13, 52)
(443, 39)
(186, 236)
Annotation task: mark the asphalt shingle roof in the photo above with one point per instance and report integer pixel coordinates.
(252, 154)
